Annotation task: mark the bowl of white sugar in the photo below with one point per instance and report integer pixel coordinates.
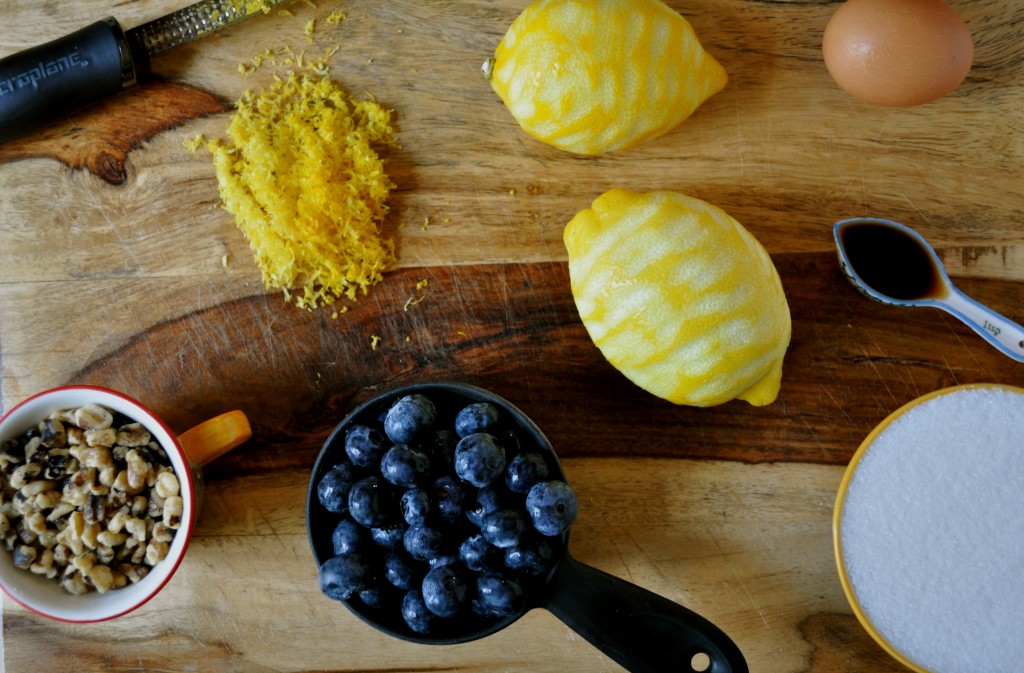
(928, 531)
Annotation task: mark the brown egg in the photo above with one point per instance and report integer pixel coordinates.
(897, 52)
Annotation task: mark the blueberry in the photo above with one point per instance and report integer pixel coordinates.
(348, 536)
(423, 543)
(479, 459)
(503, 528)
(524, 471)
(448, 496)
(552, 507)
(477, 417)
(415, 612)
(444, 590)
(400, 570)
(501, 595)
(390, 536)
(343, 575)
(409, 419)
(488, 499)
(371, 502)
(532, 556)
(477, 553)
(334, 487)
(415, 506)
(404, 466)
(364, 445)
(374, 597)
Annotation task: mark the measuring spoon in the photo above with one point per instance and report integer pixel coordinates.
(642, 631)
(893, 264)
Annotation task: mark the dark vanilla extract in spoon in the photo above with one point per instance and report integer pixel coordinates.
(893, 264)
(891, 261)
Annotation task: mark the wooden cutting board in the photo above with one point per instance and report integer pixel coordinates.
(118, 268)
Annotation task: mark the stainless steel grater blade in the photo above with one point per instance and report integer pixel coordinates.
(194, 22)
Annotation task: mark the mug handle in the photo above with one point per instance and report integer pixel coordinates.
(213, 438)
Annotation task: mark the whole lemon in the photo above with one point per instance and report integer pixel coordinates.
(679, 297)
(592, 76)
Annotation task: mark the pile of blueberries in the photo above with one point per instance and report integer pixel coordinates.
(441, 516)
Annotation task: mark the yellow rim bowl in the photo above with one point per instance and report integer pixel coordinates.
(841, 499)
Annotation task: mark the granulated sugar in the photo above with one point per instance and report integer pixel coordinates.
(932, 532)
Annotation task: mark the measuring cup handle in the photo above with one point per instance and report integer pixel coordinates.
(213, 438)
(642, 631)
(998, 330)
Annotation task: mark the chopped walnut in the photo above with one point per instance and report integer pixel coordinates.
(133, 435)
(93, 417)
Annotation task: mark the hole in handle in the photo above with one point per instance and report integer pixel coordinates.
(700, 662)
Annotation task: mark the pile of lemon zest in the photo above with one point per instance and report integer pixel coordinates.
(307, 189)
(310, 29)
(422, 284)
(461, 333)
(426, 223)
(336, 17)
(511, 192)
(374, 341)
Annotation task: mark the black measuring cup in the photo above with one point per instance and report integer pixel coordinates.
(642, 631)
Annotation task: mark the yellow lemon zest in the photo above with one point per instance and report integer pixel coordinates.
(308, 190)
(679, 297)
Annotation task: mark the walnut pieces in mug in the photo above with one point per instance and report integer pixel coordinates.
(89, 499)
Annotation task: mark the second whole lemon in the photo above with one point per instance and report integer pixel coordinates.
(679, 297)
(593, 76)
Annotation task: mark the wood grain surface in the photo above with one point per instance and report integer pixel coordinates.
(125, 272)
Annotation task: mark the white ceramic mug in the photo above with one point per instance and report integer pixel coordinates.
(187, 452)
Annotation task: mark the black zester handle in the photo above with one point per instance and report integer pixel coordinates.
(40, 84)
(43, 83)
